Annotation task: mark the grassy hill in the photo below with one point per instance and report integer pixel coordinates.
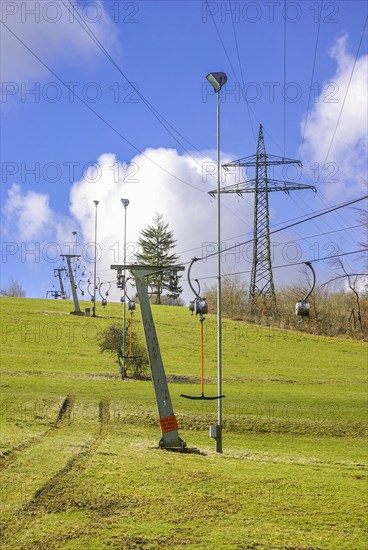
(80, 467)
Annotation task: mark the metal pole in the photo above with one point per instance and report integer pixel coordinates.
(219, 302)
(75, 252)
(95, 265)
(124, 313)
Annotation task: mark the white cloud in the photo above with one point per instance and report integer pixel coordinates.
(30, 212)
(190, 213)
(53, 33)
(349, 146)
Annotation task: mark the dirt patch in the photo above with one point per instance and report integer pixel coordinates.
(57, 494)
(62, 419)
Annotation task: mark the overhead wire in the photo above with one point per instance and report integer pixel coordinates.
(346, 94)
(241, 70)
(235, 74)
(333, 209)
(284, 94)
(295, 200)
(337, 215)
(79, 19)
(293, 240)
(312, 77)
(161, 119)
(291, 264)
(117, 132)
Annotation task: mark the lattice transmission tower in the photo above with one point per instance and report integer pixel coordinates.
(261, 282)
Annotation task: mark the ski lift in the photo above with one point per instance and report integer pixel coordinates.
(199, 306)
(89, 283)
(302, 307)
(104, 300)
(81, 289)
(54, 293)
(84, 282)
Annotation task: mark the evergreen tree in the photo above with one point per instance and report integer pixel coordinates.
(155, 243)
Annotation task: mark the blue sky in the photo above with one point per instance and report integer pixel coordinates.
(49, 138)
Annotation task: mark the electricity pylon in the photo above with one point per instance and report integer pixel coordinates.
(261, 281)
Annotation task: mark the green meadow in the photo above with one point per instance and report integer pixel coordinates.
(80, 465)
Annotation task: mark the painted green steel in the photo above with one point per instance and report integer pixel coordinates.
(170, 439)
(59, 271)
(77, 310)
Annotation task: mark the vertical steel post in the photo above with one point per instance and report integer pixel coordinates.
(125, 203)
(74, 233)
(95, 265)
(219, 297)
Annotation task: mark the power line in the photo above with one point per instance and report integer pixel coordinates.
(316, 214)
(98, 115)
(284, 77)
(312, 76)
(289, 265)
(241, 69)
(153, 110)
(337, 207)
(344, 100)
(346, 93)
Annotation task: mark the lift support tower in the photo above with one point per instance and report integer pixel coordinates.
(169, 427)
(73, 285)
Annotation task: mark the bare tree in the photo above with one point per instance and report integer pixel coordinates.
(352, 282)
(13, 290)
(234, 298)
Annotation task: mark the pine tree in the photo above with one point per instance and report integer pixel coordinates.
(155, 243)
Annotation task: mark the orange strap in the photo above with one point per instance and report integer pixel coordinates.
(201, 355)
(131, 334)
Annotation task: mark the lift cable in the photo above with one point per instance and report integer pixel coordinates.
(337, 207)
(294, 240)
(290, 264)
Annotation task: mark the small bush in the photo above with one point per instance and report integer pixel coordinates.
(135, 366)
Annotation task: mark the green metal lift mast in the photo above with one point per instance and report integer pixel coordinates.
(73, 286)
(170, 437)
(57, 273)
(261, 281)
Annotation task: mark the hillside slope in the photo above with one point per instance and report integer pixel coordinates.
(80, 466)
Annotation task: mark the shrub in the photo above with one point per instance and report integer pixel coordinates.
(135, 366)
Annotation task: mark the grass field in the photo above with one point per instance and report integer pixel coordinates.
(80, 464)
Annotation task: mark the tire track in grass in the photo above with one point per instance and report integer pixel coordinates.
(62, 420)
(54, 495)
